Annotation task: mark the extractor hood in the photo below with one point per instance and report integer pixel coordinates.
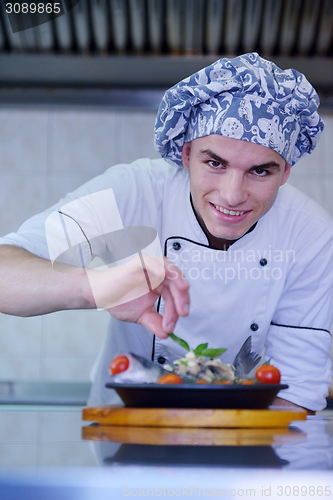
(154, 43)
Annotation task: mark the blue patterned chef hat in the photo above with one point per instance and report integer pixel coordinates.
(246, 97)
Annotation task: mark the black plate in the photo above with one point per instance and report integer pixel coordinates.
(197, 396)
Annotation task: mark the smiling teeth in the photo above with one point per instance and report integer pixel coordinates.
(227, 212)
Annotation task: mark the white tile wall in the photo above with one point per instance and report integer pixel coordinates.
(47, 152)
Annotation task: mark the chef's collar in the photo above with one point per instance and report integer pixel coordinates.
(207, 233)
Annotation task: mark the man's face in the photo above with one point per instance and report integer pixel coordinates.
(233, 182)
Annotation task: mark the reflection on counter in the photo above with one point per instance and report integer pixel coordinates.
(42, 436)
(304, 445)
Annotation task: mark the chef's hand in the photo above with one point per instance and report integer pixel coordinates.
(129, 292)
(174, 290)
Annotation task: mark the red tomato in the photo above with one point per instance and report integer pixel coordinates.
(245, 381)
(268, 374)
(119, 364)
(170, 378)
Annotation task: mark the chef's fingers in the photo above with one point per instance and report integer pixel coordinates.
(178, 287)
(153, 321)
(170, 315)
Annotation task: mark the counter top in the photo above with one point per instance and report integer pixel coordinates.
(43, 445)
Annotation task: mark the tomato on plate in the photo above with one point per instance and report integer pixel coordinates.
(119, 364)
(246, 381)
(170, 378)
(268, 374)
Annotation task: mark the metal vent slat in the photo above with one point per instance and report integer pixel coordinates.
(233, 25)
(290, 24)
(325, 31)
(175, 25)
(81, 25)
(100, 24)
(119, 24)
(155, 25)
(252, 22)
(194, 26)
(308, 27)
(13, 39)
(45, 38)
(63, 33)
(2, 38)
(180, 27)
(138, 24)
(214, 25)
(270, 25)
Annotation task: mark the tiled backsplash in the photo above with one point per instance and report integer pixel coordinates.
(47, 152)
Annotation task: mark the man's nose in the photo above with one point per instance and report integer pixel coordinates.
(233, 188)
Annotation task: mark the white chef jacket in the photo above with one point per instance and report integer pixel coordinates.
(275, 283)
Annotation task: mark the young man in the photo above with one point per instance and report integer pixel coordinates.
(258, 258)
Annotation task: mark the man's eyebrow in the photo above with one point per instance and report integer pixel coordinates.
(270, 164)
(210, 154)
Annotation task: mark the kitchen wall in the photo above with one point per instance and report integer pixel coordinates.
(46, 152)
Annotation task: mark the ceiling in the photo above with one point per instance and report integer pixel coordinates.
(116, 44)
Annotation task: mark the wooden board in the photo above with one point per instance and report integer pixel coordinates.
(176, 417)
(167, 436)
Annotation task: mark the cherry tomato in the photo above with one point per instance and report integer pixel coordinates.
(201, 381)
(223, 382)
(268, 374)
(246, 381)
(170, 378)
(119, 364)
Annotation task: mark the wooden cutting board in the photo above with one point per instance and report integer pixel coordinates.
(168, 436)
(177, 417)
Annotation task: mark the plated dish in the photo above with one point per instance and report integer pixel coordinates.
(197, 395)
(197, 380)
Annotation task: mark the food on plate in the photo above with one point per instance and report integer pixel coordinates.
(198, 369)
(170, 378)
(138, 370)
(268, 374)
(198, 366)
(119, 364)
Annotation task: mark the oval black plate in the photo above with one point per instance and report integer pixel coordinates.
(197, 396)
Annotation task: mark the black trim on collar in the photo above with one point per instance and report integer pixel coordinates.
(303, 328)
(234, 241)
(154, 337)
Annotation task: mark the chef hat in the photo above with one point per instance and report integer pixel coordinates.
(247, 98)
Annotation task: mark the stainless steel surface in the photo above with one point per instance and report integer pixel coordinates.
(44, 393)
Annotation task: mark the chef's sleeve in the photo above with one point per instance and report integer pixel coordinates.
(299, 338)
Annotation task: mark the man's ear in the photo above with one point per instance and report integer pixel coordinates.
(286, 173)
(186, 152)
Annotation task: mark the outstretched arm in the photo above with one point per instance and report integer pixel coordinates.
(30, 286)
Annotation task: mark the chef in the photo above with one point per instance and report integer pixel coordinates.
(256, 252)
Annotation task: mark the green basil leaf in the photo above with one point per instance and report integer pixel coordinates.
(179, 341)
(212, 353)
(201, 347)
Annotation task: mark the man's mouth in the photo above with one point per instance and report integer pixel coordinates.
(228, 212)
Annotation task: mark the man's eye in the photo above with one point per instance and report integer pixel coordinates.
(214, 164)
(260, 172)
